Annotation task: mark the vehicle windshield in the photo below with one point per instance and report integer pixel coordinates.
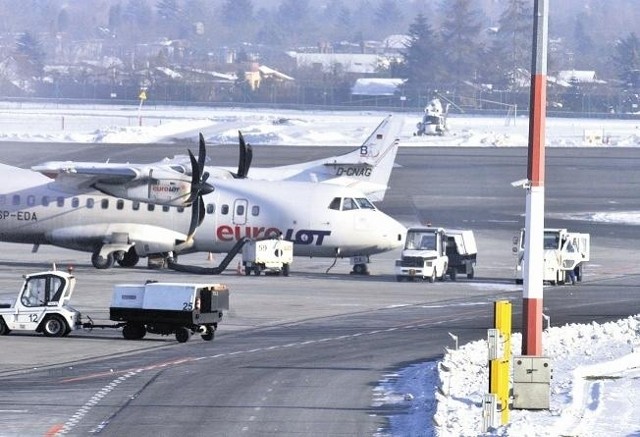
(421, 240)
(551, 240)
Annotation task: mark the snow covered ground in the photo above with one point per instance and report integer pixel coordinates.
(596, 368)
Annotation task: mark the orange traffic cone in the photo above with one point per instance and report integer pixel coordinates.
(210, 257)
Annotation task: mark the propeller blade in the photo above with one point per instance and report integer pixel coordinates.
(247, 160)
(242, 159)
(202, 154)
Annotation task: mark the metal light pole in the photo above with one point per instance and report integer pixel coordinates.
(534, 222)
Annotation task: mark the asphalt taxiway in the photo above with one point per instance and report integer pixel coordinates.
(300, 355)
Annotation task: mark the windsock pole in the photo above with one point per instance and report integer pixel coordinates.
(533, 272)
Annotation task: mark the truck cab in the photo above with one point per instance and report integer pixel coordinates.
(424, 255)
(565, 254)
(42, 306)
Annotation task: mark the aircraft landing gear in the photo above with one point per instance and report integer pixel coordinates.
(360, 269)
(129, 259)
(101, 262)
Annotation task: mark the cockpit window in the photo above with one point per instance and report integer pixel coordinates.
(335, 204)
(179, 169)
(364, 203)
(349, 204)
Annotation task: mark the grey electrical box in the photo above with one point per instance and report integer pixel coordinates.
(531, 382)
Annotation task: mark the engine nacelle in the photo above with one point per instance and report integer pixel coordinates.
(172, 192)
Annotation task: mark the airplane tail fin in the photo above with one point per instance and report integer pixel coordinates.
(368, 168)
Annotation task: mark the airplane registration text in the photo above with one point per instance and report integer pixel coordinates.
(19, 215)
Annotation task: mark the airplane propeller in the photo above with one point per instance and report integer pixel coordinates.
(199, 187)
(244, 160)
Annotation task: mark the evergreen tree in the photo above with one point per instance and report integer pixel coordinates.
(30, 55)
(461, 40)
(387, 18)
(237, 13)
(626, 58)
(422, 60)
(510, 52)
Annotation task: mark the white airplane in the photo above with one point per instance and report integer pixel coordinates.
(121, 212)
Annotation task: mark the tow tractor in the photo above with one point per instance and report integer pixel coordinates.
(181, 309)
(565, 254)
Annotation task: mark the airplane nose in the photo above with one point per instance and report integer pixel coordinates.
(396, 233)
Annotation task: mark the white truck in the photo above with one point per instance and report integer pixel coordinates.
(271, 256)
(565, 254)
(424, 255)
(182, 309)
(432, 253)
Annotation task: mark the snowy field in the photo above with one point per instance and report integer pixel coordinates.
(596, 368)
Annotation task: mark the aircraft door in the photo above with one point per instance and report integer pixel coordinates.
(240, 211)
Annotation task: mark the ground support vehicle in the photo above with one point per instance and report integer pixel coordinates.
(42, 306)
(462, 251)
(424, 255)
(271, 256)
(565, 254)
(181, 309)
(160, 308)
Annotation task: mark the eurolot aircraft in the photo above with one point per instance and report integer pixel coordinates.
(121, 212)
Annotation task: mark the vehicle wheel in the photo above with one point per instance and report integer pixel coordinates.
(432, 278)
(399, 278)
(130, 258)
(134, 331)
(360, 269)
(54, 326)
(453, 274)
(100, 262)
(472, 273)
(285, 270)
(256, 271)
(182, 334)
(4, 329)
(209, 334)
(247, 270)
(518, 281)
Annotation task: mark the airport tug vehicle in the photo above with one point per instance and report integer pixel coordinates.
(433, 253)
(181, 309)
(565, 254)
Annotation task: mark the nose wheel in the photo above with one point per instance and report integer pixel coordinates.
(360, 269)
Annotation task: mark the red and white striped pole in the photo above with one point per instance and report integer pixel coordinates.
(533, 272)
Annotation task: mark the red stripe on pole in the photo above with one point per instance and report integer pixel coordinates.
(535, 170)
(532, 315)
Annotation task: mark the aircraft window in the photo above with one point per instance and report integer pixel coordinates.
(45, 200)
(150, 207)
(15, 200)
(178, 168)
(210, 208)
(120, 204)
(104, 203)
(180, 209)
(364, 203)
(240, 210)
(90, 202)
(349, 204)
(224, 210)
(31, 200)
(75, 202)
(60, 201)
(165, 208)
(255, 210)
(335, 204)
(135, 205)
(3, 199)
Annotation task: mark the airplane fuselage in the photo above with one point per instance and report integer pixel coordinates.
(35, 210)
